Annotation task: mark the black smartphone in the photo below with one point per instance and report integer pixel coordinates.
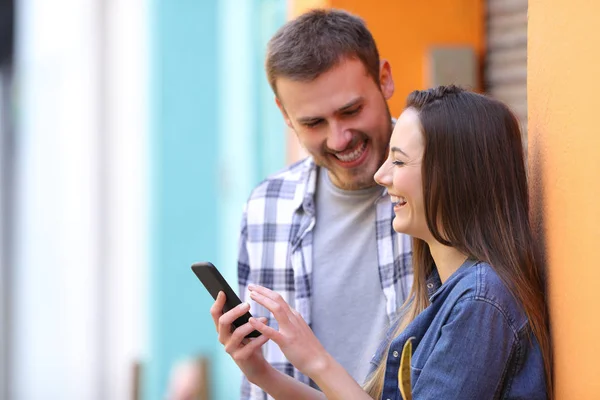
(214, 282)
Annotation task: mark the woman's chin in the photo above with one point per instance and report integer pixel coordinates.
(400, 227)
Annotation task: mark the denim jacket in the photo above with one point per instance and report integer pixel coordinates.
(472, 342)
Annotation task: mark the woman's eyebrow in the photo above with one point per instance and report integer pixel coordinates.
(399, 150)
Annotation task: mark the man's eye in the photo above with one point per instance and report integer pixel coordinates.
(313, 123)
(353, 111)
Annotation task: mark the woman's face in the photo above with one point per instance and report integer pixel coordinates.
(400, 174)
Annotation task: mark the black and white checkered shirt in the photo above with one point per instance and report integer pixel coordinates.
(276, 251)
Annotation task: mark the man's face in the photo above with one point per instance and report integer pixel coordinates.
(342, 119)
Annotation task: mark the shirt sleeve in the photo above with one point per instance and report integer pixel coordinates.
(243, 259)
(246, 392)
(471, 357)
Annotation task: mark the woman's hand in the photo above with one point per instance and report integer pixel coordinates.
(294, 337)
(246, 353)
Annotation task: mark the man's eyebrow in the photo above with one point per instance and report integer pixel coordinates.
(308, 120)
(399, 150)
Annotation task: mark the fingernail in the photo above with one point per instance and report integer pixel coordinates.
(251, 287)
(245, 305)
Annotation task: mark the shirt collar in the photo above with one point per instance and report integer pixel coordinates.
(434, 283)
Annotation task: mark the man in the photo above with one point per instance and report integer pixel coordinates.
(320, 231)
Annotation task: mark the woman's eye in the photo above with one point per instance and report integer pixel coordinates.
(399, 163)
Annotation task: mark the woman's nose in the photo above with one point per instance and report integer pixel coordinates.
(383, 174)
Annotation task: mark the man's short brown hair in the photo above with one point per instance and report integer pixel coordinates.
(313, 43)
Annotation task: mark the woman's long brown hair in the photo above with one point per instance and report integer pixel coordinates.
(476, 200)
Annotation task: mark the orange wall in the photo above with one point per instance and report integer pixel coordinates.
(297, 7)
(564, 153)
(405, 29)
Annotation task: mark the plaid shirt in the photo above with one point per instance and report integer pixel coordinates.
(276, 252)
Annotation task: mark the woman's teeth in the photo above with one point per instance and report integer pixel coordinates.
(398, 200)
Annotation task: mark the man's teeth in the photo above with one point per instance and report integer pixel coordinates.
(398, 200)
(353, 155)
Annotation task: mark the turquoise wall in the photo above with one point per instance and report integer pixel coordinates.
(215, 132)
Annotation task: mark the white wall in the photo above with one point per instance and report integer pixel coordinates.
(127, 201)
(78, 314)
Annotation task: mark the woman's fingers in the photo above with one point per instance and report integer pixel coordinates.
(226, 320)
(273, 302)
(237, 338)
(217, 309)
(266, 330)
(250, 347)
(264, 291)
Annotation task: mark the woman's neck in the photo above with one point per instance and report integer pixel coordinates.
(447, 259)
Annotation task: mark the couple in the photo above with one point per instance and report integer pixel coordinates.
(455, 173)
(456, 177)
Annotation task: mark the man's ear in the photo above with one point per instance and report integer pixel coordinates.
(386, 81)
(287, 120)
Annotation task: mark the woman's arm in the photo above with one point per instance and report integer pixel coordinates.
(248, 356)
(283, 387)
(303, 349)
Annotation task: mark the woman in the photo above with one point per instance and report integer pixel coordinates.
(477, 315)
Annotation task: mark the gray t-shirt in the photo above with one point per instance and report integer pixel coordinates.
(348, 305)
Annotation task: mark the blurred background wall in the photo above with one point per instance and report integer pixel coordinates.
(76, 200)
(131, 133)
(215, 133)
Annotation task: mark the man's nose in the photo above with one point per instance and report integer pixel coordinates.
(339, 137)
